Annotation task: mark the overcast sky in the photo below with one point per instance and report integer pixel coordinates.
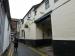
(18, 8)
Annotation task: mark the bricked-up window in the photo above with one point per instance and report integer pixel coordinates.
(47, 4)
(55, 1)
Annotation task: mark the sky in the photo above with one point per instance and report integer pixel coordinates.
(19, 8)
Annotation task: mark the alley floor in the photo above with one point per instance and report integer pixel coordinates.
(24, 51)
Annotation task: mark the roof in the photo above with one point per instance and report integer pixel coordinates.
(30, 10)
(35, 7)
(40, 4)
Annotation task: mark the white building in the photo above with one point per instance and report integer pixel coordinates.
(36, 29)
(51, 20)
(4, 26)
(63, 27)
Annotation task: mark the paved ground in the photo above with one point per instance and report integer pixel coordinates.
(48, 50)
(24, 51)
(9, 52)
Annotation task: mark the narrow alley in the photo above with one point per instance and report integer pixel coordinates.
(37, 27)
(24, 50)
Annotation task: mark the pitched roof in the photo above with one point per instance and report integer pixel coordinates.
(35, 7)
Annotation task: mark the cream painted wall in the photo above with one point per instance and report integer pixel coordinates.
(42, 9)
(27, 32)
(63, 21)
(31, 32)
(39, 32)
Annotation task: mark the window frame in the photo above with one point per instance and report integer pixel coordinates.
(47, 5)
(55, 1)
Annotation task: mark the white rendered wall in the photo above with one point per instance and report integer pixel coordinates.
(41, 9)
(31, 33)
(6, 35)
(39, 32)
(63, 21)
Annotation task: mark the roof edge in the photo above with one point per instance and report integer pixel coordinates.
(35, 7)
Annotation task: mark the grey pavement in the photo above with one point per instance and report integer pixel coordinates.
(24, 51)
(49, 50)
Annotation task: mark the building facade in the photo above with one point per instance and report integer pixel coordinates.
(36, 28)
(19, 24)
(14, 25)
(5, 27)
(63, 28)
(51, 23)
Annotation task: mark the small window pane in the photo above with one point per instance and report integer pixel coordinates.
(55, 1)
(47, 4)
(35, 12)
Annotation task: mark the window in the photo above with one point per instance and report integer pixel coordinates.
(55, 1)
(35, 12)
(47, 4)
(22, 21)
(29, 15)
(26, 26)
(23, 33)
